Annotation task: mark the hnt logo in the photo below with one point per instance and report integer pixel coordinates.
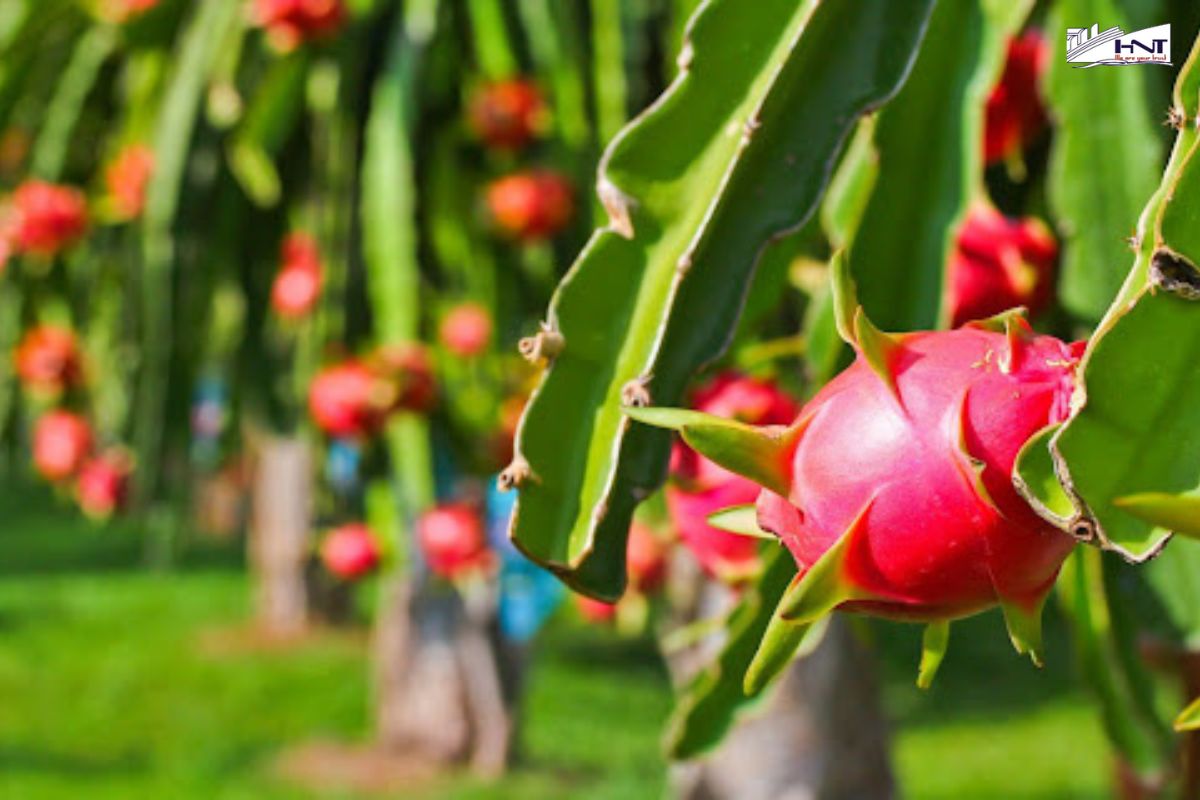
(1090, 47)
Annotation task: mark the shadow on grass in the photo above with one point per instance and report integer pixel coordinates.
(14, 758)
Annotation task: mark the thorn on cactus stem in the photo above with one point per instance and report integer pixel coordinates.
(1174, 273)
(516, 473)
(635, 394)
(1176, 118)
(1083, 529)
(617, 204)
(546, 344)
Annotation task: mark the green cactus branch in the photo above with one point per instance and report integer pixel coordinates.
(737, 151)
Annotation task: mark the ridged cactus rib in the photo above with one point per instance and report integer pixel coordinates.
(934, 642)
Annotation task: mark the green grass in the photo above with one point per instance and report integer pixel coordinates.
(106, 691)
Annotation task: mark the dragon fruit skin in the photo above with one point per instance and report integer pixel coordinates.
(915, 475)
(700, 487)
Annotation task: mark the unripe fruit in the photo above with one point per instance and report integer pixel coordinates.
(531, 206)
(103, 484)
(46, 218)
(61, 443)
(998, 264)
(646, 559)
(126, 178)
(466, 331)
(348, 399)
(48, 359)
(698, 487)
(291, 23)
(507, 115)
(452, 540)
(1015, 115)
(350, 551)
(297, 285)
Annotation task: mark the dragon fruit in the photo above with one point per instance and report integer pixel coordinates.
(531, 206)
(466, 331)
(595, 611)
(892, 487)
(297, 285)
(45, 218)
(61, 443)
(698, 487)
(453, 541)
(646, 559)
(349, 399)
(103, 484)
(126, 178)
(998, 264)
(291, 23)
(507, 115)
(1015, 115)
(48, 359)
(409, 367)
(350, 551)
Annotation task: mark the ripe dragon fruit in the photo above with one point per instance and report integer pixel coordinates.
(646, 559)
(892, 487)
(349, 399)
(350, 551)
(998, 264)
(291, 23)
(45, 218)
(1015, 115)
(698, 487)
(103, 484)
(531, 206)
(507, 115)
(48, 359)
(452, 540)
(297, 285)
(409, 367)
(61, 443)
(466, 331)
(126, 178)
(595, 611)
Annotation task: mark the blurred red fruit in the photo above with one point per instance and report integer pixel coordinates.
(348, 399)
(453, 541)
(999, 263)
(126, 178)
(1015, 115)
(48, 360)
(61, 443)
(507, 115)
(699, 487)
(350, 551)
(103, 483)
(646, 558)
(531, 205)
(45, 218)
(467, 330)
(290, 23)
(595, 611)
(297, 285)
(124, 10)
(409, 368)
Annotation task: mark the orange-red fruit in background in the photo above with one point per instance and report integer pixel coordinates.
(61, 443)
(999, 263)
(297, 285)
(48, 359)
(698, 487)
(290, 23)
(349, 399)
(532, 205)
(452, 540)
(350, 551)
(507, 115)
(466, 331)
(409, 368)
(45, 218)
(1015, 114)
(103, 484)
(595, 611)
(126, 178)
(125, 10)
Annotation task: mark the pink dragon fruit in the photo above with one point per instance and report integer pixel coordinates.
(892, 487)
(350, 551)
(1015, 115)
(699, 487)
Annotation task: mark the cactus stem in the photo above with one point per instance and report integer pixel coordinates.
(516, 473)
(617, 204)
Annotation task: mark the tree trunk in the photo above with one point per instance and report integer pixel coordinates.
(281, 533)
(443, 689)
(819, 735)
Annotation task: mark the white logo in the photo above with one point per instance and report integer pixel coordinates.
(1091, 47)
